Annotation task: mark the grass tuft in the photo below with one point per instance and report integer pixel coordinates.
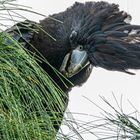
(28, 98)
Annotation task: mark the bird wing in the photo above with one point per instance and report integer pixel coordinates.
(22, 32)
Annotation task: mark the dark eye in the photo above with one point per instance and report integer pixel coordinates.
(80, 47)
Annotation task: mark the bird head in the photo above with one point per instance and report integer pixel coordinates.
(76, 59)
(100, 35)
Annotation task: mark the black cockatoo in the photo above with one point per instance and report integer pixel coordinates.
(87, 35)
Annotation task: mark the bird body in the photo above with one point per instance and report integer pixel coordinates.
(87, 35)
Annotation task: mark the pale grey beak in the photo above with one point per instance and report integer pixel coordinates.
(74, 62)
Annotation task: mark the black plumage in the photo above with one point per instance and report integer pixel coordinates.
(89, 34)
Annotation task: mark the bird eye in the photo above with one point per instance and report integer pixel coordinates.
(80, 47)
